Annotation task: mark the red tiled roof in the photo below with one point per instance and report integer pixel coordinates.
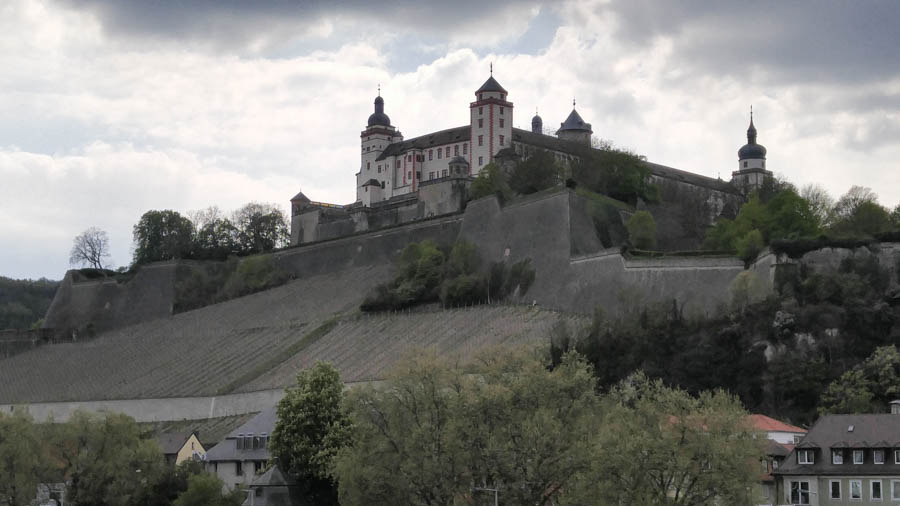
(766, 424)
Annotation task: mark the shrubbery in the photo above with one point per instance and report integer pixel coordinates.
(426, 274)
(642, 230)
(212, 282)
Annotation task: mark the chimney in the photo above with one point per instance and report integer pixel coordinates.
(895, 407)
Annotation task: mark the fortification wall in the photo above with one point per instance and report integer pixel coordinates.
(91, 306)
(685, 211)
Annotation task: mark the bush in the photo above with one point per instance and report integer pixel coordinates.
(490, 181)
(642, 230)
(750, 246)
(464, 290)
(746, 289)
(254, 274)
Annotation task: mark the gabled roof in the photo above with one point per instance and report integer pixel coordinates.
(767, 424)
(172, 442)
(491, 85)
(834, 431)
(449, 136)
(262, 423)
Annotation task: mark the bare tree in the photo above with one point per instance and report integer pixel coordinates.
(820, 202)
(90, 248)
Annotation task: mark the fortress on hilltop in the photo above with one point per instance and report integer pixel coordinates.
(405, 180)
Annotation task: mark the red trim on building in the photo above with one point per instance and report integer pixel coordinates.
(491, 141)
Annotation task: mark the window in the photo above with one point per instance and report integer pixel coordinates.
(368, 148)
(239, 444)
(257, 466)
(431, 154)
(745, 165)
(895, 490)
(774, 464)
(397, 166)
(858, 456)
(800, 492)
(481, 123)
(408, 158)
(440, 152)
(238, 468)
(875, 490)
(258, 492)
(368, 165)
(264, 439)
(481, 96)
(447, 152)
(379, 168)
(855, 490)
(466, 151)
(804, 456)
(480, 161)
(837, 457)
(456, 150)
(765, 465)
(501, 122)
(834, 489)
(431, 175)
(481, 140)
(501, 110)
(896, 456)
(444, 173)
(878, 456)
(481, 111)
(501, 140)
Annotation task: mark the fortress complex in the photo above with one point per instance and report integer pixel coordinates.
(404, 180)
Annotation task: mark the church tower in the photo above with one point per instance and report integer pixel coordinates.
(751, 171)
(491, 119)
(377, 136)
(575, 129)
(537, 124)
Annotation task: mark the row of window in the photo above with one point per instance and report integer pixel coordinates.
(800, 490)
(239, 467)
(251, 442)
(440, 151)
(481, 111)
(807, 456)
(481, 140)
(481, 122)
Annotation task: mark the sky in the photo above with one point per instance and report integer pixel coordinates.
(111, 108)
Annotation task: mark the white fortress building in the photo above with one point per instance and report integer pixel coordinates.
(403, 180)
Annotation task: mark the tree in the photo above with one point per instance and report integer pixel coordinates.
(90, 248)
(849, 202)
(535, 173)
(619, 173)
(162, 235)
(205, 489)
(660, 445)
(868, 219)
(642, 230)
(106, 459)
(261, 227)
(437, 429)
(821, 204)
(490, 181)
(217, 239)
(310, 430)
(868, 387)
(20, 459)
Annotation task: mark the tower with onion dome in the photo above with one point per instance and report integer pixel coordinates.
(377, 136)
(752, 172)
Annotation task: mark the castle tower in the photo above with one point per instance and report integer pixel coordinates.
(537, 124)
(575, 129)
(751, 171)
(491, 122)
(377, 136)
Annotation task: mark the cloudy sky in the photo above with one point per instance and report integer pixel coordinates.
(109, 108)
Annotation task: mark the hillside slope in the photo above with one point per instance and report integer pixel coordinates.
(258, 342)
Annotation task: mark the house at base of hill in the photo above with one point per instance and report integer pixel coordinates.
(244, 452)
(180, 446)
(782, 438)
(844, 459)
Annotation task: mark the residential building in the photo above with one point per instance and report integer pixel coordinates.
(244, 452)
(844, 459)
(782, 438)
(180, 446)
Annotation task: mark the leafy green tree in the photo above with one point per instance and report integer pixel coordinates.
(662, 446)
(750, 246)
(217, 239)
(642, 230)
(21, 462)
(205, 489)
(619, 173)
(310, 430)
(162, 235)
(23, 302)
(868, 387)
(868, 219)
(261, 227)
(535, 173)
(490, 181)
(171, 483)
(785, 215)
(106, 459)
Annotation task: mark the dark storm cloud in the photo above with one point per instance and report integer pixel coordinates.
(236, 23)
(810, 41)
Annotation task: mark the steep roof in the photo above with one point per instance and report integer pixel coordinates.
(449, 136)
(172, 442)
(491, 85)
(274, 477)
(300, 197)
(767, 424)
(262, 423)
(574, 122)
(848, 431)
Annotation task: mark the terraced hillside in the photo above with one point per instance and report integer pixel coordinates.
(258, 342)
(364, 347)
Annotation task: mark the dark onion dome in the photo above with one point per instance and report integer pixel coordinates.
(379, 117)
(574, 122)
(491, 85)
(752, 150)
(458, 159)
(537, 124)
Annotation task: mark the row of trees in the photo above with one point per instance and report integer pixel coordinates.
(104, 460)
(442, 433)
(778, 211)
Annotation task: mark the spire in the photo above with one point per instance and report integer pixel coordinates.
(379, 89)
(492, 69)
(751, 131)
(573, 103)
